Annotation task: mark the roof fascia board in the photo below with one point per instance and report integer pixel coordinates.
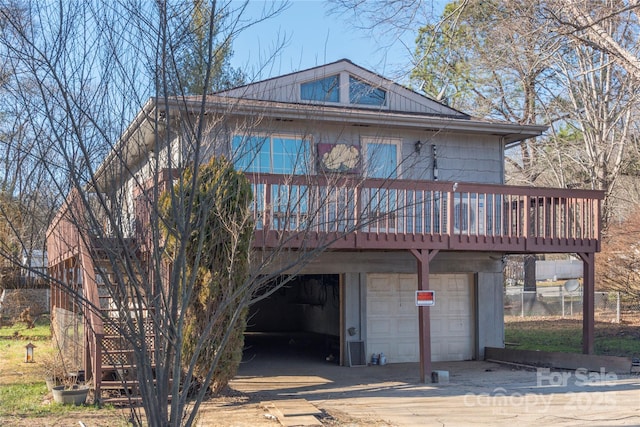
(115, 154)
(511, 131)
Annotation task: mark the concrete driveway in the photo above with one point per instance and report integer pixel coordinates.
(478, 393)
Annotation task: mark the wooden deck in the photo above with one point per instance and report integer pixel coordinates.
(347, 213)
(341, 213)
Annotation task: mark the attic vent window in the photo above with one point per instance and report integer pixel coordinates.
(365, 94)
(324, 90)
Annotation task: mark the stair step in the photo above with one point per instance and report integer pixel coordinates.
(118, 351)
(120, 336)
(118, 384)
(121, 366)
(122, 400)
(125, 400)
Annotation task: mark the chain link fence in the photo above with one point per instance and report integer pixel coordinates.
(556, 301)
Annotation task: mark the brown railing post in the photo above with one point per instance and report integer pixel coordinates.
(97, 365)
(598, 221)
(588, 302)
(451, 205)
(423, 258)
(267, 214)
(527, 232)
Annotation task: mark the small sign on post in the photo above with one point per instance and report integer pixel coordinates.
(425, 298)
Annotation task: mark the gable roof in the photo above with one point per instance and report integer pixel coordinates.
(286, 89)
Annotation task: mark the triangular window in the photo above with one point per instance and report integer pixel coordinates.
(324, 90)
(365, 94)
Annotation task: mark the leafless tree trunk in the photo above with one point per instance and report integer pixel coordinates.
(590, 23)
(93, 79)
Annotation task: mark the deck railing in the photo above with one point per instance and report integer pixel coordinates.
(395, 214)
(348, 212)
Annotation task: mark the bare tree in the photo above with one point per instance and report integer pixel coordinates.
(603, 98)
(567, 65)
(493, 59)
(618, 264)
(589, 23)
(79, 73)
(94, 81)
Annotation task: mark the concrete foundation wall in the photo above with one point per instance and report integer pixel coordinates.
(402, 262)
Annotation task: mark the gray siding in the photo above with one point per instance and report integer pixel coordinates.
(460, 157)
(287, 89)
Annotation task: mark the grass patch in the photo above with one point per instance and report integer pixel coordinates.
(20, 399)
(23, 392)
(33, 400)
(565, 335)
(620, 346)
(567, 340)
(20, 330)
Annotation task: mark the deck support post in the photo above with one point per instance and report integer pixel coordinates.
(588, 305)
(424, 256)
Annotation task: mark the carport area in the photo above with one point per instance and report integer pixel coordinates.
(299, 322)
(478, 393)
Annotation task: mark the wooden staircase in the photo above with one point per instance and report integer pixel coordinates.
(117, 367)
(119, 382)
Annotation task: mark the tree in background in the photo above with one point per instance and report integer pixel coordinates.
(195, 41)
(25, 203)
(491, 59)
(570, 66)
(601, 100)
(589, 22)
(10, 227)
(618, 265)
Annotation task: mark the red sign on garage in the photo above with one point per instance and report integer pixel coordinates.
(425, 298)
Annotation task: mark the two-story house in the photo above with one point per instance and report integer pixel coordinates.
(401, 192)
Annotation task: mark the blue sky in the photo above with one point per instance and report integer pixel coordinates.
(315, 38)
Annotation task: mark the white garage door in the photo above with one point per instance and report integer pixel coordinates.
(451, 317)
(392, 317)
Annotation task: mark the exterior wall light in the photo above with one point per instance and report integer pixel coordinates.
(418, 146)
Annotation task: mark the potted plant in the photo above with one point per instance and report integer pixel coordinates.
(70, 394)
(65, 387)
(68, 385)
(54, 374)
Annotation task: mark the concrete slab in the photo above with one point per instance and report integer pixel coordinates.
(293, 407)
(478, 394)
(620, 365)
(294, 412)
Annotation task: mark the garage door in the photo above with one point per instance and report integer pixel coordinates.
(451, 317)
(392, 317)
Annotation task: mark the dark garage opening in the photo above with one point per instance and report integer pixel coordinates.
(300, 321)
